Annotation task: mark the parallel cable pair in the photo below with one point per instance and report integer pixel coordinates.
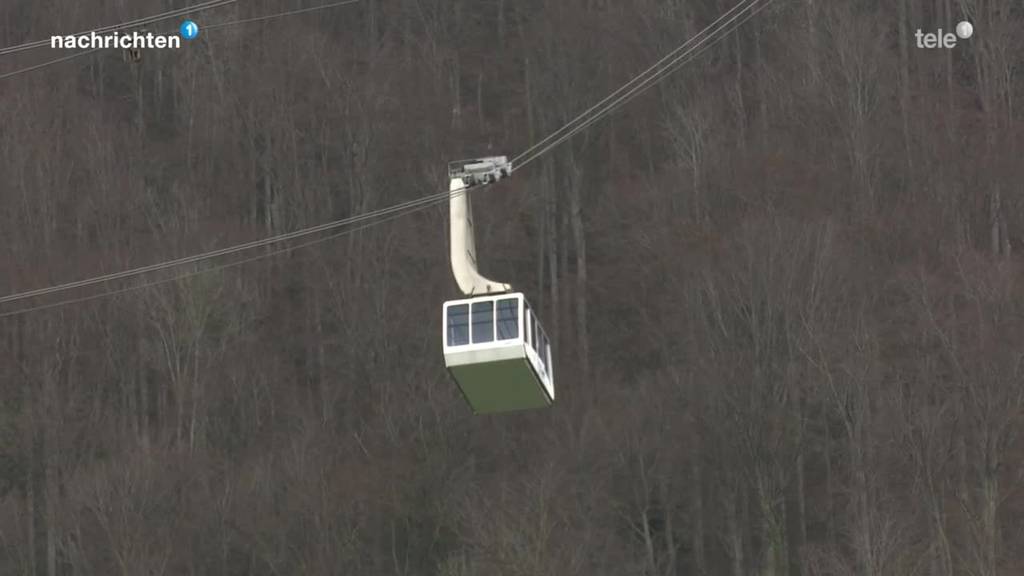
(709, 36)
(401, 208)
(367, 220)
(695, 46)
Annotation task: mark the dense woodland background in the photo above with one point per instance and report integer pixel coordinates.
(784, 287)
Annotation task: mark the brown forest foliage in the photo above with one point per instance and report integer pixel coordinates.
(784, 288)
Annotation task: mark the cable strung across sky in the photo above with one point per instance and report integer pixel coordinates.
(402, 208)
(692, 48)
(705, 39)
(418, 205)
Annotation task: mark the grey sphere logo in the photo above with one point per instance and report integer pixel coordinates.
(964, 30)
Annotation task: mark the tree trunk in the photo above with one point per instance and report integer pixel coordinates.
(502, 27)
(554, 240)
(740, 102)
(734, 530)
(666, 500)
(30, 484)
(456, 88)
(697, 515)
(994, 215)
(762, 89)
(580, 242)
(990, 509)
(142, 417)
(812, 41)
(773, 556)
(563, 270)
(801, 512)
(905, 91)
(830, 533)
(480, 102)
(948, 17)
(863, 541)
(50, 486)
(942, 564)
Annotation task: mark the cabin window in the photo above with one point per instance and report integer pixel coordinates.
(483, 322)
(536, 336)
(458, 325)
(508, 319)
(527, 331)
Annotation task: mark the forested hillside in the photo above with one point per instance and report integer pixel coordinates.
(784, 290)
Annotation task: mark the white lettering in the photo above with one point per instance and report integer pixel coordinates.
(125, 41)
(941, 38)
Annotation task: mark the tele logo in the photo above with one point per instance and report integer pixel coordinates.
(940, 39)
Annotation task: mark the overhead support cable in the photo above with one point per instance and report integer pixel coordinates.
(41, 65)
(703, 40)
(421, 205)
(402, 208)
(708, 37)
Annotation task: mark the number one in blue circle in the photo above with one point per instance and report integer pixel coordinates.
(189, 30)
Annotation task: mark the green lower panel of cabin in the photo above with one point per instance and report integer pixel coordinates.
(501, 386)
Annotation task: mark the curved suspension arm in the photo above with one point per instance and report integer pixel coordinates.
(463, 246)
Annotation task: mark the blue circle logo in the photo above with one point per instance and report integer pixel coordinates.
(189, 30)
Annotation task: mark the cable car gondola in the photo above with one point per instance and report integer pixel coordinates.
(494, 346)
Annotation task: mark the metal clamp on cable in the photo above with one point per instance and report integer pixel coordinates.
(480, 171)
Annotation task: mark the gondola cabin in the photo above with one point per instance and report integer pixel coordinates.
(494, 347)
(498, 353)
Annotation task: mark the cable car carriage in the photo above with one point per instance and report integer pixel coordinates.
(498, 353)
(494, 346)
